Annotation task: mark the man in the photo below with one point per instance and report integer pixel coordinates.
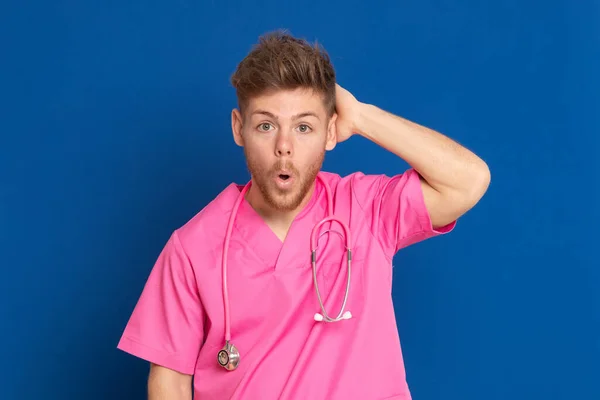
(291, 111)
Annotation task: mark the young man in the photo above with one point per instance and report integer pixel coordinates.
(291, 111)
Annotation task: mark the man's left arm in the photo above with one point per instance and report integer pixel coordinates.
(453, 178)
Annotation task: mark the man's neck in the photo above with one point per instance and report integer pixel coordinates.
(279, 221)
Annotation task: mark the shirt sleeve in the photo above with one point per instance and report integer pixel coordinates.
(166, 326)
(395, 208)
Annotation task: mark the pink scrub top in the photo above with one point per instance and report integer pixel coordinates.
(178, 321)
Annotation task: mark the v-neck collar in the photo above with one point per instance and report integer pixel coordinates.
(266, 245)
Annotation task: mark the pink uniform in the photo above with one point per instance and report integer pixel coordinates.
(178, 321)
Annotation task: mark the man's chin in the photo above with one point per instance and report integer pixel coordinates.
(287, 198)
(284, 202)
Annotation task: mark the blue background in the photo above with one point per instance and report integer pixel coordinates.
(115, 130)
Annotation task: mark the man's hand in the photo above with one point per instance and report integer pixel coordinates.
(347, 109)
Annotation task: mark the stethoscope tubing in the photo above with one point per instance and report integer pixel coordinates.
(313, 248)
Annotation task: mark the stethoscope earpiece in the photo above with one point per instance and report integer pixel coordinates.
(319, 317)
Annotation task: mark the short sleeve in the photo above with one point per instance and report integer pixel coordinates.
(166, 326)
(396, 209)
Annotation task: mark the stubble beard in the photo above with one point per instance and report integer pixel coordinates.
(276, 199)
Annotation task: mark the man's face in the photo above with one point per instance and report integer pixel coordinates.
(284, 135)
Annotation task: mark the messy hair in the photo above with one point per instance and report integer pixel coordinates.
(280, 61)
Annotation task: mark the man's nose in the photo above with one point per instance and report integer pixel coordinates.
(284, 145)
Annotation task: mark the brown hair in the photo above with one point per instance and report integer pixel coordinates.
(280, 61)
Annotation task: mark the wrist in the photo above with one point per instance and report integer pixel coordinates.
(363, 120)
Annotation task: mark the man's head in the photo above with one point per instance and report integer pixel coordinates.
(286, 117)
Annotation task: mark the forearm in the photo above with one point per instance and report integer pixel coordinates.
(165, 391)
(164, 384)
(444, 164)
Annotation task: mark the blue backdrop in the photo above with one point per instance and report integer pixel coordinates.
(115, 130)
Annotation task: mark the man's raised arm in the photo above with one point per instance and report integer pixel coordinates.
(453, 178)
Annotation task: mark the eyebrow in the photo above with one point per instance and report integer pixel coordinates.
(297, 116)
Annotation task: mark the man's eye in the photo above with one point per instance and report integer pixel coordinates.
(304, 128)
(264, 126)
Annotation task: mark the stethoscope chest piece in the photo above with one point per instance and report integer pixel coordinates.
(229, 357)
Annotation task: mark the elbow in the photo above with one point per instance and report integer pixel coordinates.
(478, 183)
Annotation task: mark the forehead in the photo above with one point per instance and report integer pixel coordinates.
(286, 104)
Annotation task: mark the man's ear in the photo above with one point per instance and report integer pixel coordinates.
(236, 127)
(331, 133)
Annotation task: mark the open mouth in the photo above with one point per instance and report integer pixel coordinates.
(284, 177)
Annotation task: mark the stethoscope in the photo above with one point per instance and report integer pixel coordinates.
(229, 356)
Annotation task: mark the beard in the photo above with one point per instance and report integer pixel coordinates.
(275, 198)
